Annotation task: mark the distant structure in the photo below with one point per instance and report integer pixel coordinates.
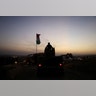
(49, 51)
(68, 56)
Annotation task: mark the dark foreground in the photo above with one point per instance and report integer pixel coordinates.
(77, 70)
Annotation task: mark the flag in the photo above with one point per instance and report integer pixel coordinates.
(38, 39)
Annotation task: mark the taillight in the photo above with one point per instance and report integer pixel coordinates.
(60, 64)
(40, 65)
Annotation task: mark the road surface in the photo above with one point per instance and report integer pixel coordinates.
(29, 72)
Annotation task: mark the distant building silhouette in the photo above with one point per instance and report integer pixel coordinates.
(49, 51)
(68, 56)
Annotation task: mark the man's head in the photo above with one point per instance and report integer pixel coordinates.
(48, 43)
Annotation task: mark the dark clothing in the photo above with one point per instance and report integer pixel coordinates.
(49, 51)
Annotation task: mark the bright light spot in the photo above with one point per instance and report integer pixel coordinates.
(16, 62)
(60, 64)
(39, 65)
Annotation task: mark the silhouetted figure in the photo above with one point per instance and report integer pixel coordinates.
(49, 51)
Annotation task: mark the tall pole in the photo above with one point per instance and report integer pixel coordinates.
(36, 49)
(37, 42)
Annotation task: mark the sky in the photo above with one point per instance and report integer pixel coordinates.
(67, 34)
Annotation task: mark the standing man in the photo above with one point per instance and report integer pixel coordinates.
(49, 50)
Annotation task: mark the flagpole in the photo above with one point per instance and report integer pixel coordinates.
(37, 42)
(36, 48)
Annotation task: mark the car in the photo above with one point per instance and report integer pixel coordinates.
(50, 66)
